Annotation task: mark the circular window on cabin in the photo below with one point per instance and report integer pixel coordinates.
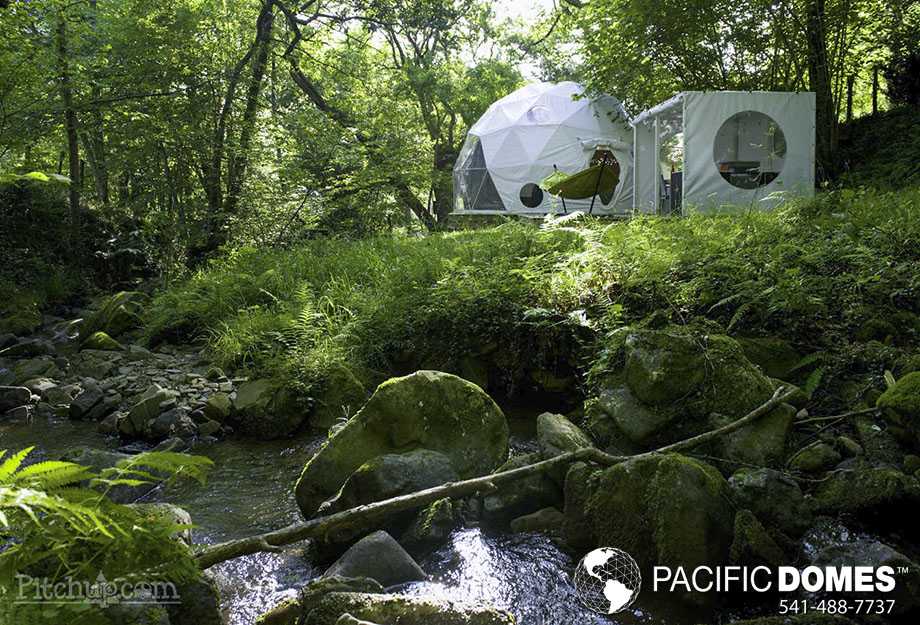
(531, 195)
(749, 150)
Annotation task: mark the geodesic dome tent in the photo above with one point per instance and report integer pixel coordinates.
(530, 134)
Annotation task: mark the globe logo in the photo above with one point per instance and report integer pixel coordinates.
(607, 580)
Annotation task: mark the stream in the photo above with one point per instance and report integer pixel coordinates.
(249, 491)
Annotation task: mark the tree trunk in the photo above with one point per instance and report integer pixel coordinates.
(874, 90)
(820, 82)
(70, 116)
(851, 79)
(240, 159)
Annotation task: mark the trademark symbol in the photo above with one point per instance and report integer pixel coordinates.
(903, 570)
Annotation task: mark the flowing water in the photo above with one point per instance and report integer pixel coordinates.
(249, 491)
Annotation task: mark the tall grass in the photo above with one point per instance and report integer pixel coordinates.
(817, 273)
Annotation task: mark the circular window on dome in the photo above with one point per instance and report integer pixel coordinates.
(749, 150)
(531, 195)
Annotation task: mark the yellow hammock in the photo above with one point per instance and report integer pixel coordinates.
(600, 179)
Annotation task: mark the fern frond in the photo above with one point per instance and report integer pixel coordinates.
(11, 464)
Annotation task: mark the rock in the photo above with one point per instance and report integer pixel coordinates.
(7, 339)
(40, 386)
(427, 409)
(169, 513)
(848, 447)
(752, 544)
(342, 395)
(173, 422)
(403, 610)
(544, 520)
(14, 396)
(868, 490)
(661, 366)
(431, 527)
(667, 510)
(19, 413)
(213, 374)
(348, 619)
(263, 410)
(103, 408)
(774, 356)
(557, 435)
(901, 403)
(199, 603)
(61, 395)
(208, 428)
(115, 315)
(102, 341)
(832, 545)
(761, 443)
(522, 496)
(35, 368)
(218, 407)
(818, 456)
(24, 320)
(776, 499)
(579, 485)
(878, 443)
(136, 353)
(391, 475)
(29, 348)
(147, 408)
(630, 417)
(380, 558)
(89, 396)
(294, 611)
(94, 364)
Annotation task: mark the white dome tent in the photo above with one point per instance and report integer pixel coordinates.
(533, 132)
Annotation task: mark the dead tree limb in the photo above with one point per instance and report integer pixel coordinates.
(370, 515)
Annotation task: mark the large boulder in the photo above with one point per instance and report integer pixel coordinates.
(867, 490)
(762, 442)
(672, 381)
(264, 410)
(901, 403)
(103, 342)
(522, 496)
(383, 608)
(557, 435)
(427, 409)
(391, 475)
(379, 557)
(294, 611)
(342, 395)
(667, 510)
(775, 357)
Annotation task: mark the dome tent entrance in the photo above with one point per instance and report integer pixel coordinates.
(534, 132)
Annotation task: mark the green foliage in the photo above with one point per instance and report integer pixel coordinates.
(816, 273)
(882, 151)
(56, 520)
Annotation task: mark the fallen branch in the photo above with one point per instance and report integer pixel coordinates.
(838, 417)
(369, 515)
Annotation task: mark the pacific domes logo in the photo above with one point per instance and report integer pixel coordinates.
(607, 580)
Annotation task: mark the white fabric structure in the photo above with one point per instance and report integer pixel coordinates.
(739, 148)
(521, 137)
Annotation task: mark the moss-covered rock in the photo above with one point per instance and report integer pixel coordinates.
(342, 396)
(544, 520)
(761, 443)
(667, 510)
(867, 490)
(404, 610)
(818, 456)
(377, 556)
(431, 527)
(115, 315)
(752, 544)
(521, 496)
(293, 611)
(265, 410)
(776, 499)
(616, 413)
(557, 435)
(901, 403)
(391, 475)
(775, 357)
(218, 407)
(428, 409)
(662, 366)
(102, 341)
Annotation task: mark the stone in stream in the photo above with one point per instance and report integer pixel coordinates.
(545, 520)
(431, 527)
(391, 475)
(379, 557)
(115, 314)
(99, 459)
(29, 348)
(137, 423)
(753, 545)
(264, 410)
(35, 368)
(901, 405)
(293, 611)
(818, 456)
(13, 397)
(667, 510)
(103, 342)
(82, 404)
(166, 513)
(218, 407)
(43, 387)
(385, 608)
(428, 409)
(869, 491)
(557, 435)
(523, 496)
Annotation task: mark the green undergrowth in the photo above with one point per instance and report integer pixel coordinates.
(836, 276)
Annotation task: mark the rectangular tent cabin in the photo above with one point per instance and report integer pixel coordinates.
(702, 150)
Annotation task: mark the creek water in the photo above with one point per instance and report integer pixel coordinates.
(249, 490)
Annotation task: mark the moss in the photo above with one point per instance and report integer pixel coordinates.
(776, 357)
(101, 340)
(901, 402)
(752, 543)
(116, 314)
(867, 490)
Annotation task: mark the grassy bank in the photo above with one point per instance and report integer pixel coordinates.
(836, 276)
